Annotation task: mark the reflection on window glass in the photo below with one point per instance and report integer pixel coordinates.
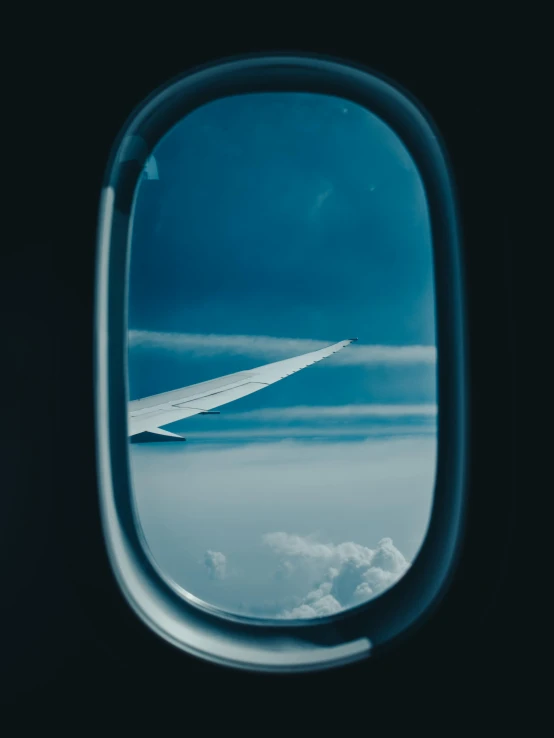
(268, 226)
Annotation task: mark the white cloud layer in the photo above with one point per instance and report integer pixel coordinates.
(247, 499)
(349, 573)
(271, 348)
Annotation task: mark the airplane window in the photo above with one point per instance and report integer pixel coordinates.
(282, 356)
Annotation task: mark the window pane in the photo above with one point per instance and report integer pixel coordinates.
(267, 226)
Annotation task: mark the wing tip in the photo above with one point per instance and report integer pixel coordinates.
(156, 437)
(351, 339)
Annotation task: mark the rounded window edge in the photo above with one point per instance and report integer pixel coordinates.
(353, 633)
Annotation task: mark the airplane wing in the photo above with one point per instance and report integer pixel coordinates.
(147, 415)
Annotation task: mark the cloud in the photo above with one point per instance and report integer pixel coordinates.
(216, 563)
(346, 492)
(308, 412)
(315, 432)
(348, 573)
(372, 480)
(273, 348)
(336, 576)
(318, 603)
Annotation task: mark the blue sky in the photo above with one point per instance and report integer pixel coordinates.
(266, 226)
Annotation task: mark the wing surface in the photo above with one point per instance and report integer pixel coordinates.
(147, 415)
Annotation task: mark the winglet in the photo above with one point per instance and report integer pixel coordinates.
(156, 435)
(352, 339)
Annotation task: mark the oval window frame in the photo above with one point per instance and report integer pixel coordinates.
(250, 643)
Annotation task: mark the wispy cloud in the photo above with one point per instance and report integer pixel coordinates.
(308, 412)
(314, 432)
(273, 348)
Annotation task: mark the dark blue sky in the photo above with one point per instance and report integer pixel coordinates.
(285, 215)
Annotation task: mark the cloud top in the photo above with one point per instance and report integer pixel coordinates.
(216, 562)
(349, 573)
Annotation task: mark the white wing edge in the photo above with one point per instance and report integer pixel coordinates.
(148, 414)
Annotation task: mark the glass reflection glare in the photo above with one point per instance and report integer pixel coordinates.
(268, 226)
